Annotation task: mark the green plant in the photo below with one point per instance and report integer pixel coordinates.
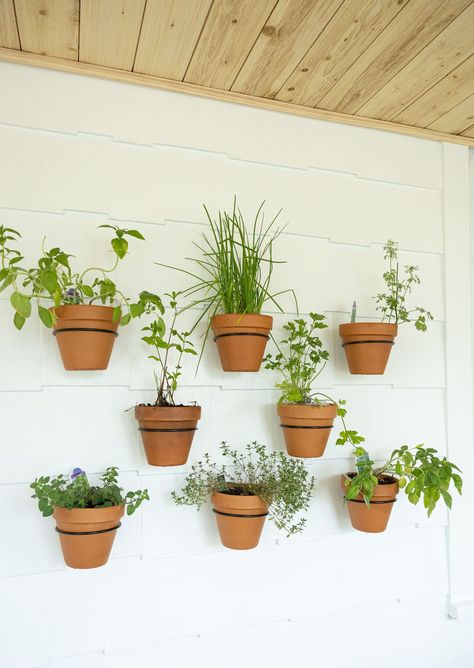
(421, 473)
(75, 491)
(163, 341)
(300, 359)
(53, 280)
(283, 483)
(236, 265)
(392, 303)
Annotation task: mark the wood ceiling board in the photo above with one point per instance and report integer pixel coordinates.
(231, 29)
(448, 50)
(8, 30)
(469, 132)
(351, 30)
(458, 119)
(441, 97)
(290, 31)
(170, 31)
(109, 73)
(109, 32)
(49, 27)
(413, 28)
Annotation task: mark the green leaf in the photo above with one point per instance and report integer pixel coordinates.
(136, 234)
(87, 290)
(8, 281)
(49, 281)
(18, 321)
(125, 319)
(120, 247)
(21, 304)
(117, 313)
(46, 316)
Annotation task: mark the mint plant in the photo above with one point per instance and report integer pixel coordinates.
(421, 473)
(75, 491)
(300, 359)
(53, 281)
(392, 302)
(164, 341)
(282, 482)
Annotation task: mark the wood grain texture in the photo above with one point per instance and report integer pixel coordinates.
(440, 98)
(288, 34)
(458, 119)
(170, 31)
(19, 57)
(231, 29)
(351, 30)
(109, 32)
(419, 22)
(8, 30)
(448, 50)
(49, 27)
(469, 132)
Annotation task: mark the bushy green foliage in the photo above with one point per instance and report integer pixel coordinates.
(52, 280)
(76, 492)
(392, 303)
(421, 472)
(300, 359)
(282, 482)
(163, 341)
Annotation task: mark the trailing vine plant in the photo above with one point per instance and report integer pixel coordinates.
(53, 280)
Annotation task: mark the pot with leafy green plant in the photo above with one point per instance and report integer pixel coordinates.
(85, 331)
(237, 266)
(87, 516)
(306, 416)
(371, 491)
(255, 484)
(367, 345)
(167, 429)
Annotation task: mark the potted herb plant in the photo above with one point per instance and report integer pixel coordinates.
(254, 485)
(237, 265)
(87, 516)
(367, 345)
(307, 416)
(84, 329)
(167, 429)
(371, 491)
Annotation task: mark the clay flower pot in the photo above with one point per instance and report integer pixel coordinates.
(167, 432)
(373, 519)
(241, 339)
(306, 427)
(85, 334)
(240, 519)
(367, 345)
(87, 534)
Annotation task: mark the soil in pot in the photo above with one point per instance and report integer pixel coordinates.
(87, 534)
(167, 432)
(306, 427)
(240, 518)
(373, 518)
(86, 335)
(241, 339)
(367, 345)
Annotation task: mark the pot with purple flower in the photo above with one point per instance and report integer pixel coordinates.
(87, 516)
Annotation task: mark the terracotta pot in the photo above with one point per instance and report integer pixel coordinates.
(240, 519)
(373, 519)
(306, 428)
(367, 345)
(86, 335)
(167, 432)
(241, 339)
(82, 547)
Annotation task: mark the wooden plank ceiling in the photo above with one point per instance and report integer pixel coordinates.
(406, 62)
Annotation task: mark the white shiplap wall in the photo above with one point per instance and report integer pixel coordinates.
(79, 152)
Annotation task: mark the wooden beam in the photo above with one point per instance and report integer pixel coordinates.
(8, 28)
(19, 57)
(49, 27)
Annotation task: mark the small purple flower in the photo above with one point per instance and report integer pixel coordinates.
(76, 472)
